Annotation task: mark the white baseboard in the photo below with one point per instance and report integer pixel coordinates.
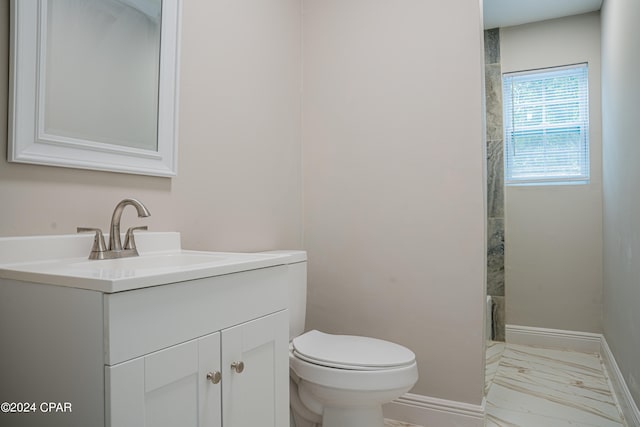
(583, 342)
(430, 411)
(619, 385)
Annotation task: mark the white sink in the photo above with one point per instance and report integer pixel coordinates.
(169, 265)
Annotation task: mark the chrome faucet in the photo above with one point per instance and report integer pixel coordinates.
(116, 250)
(115, 244)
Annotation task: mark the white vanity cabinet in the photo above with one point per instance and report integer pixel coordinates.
(167, 387)
(199, 383)
(141, 357)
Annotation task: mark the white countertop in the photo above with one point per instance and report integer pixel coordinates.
(161, 261)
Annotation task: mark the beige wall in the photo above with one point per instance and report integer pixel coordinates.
(553, 234)
(239, 179)
(393, 152)
(620, 114)
(393, 178)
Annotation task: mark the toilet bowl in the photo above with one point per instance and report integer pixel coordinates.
(339, 380)
(344, 380)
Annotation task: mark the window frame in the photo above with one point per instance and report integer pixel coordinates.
(547, 174)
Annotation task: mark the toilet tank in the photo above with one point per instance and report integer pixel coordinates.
(297, 287)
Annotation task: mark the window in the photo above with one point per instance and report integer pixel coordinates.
(546, 126)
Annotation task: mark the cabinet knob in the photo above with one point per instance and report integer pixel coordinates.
(237, 366)
(214, 377)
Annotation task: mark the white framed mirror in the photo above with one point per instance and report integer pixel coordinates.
(94, 84)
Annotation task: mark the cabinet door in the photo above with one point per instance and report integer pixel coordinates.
(167, 388)
(259, 394)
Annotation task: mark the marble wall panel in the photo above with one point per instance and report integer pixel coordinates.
(495, 257)
(492, 46)
(495, 179)
(498, 319)
(493, 93)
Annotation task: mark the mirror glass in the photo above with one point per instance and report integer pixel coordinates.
(94, 84)
(103, 53)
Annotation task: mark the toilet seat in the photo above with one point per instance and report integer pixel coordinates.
(351, 379)
(351, 352)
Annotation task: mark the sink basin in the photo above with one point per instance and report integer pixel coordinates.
(151, 262)
(169, 265)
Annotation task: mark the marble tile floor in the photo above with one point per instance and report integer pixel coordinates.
(494, 351)
(535, 387)
(394, 423)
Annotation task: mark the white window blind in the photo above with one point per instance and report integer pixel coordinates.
(546, 125)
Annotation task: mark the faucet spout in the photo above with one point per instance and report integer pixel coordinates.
(115, 243)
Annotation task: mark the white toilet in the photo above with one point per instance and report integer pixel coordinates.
(340, 380)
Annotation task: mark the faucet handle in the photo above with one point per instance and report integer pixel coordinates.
(129, 240)
(99, 248)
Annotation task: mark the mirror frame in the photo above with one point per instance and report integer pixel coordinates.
(28, 142)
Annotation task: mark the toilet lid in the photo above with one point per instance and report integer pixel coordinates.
(350, 352)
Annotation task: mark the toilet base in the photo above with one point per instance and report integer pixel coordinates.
(353, 417)
(333, 397)
(300, 415)
(345, 408)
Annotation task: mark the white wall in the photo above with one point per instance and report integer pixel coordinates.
(393, 170)
(553, 234)
(239, 179)
(620, 114)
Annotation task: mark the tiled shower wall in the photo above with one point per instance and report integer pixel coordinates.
(495, 181)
